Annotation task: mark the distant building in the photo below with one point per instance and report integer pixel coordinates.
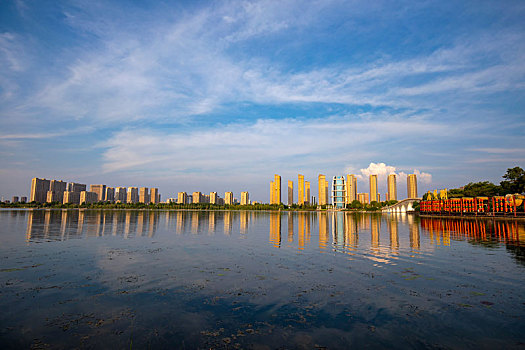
(220, 201)
(56, 191)
(121, 194)
(154, 196)
(182, 198)
(144, 195)
(323, 189)
(100, 190)
(290, 192)
(89, 197)
(373, 188)
(213, 198)
(307, 192)
(351, 188)
(275, 187)
(338, 192)
(23, 199)
(71, 197)
(245, 198)
(171, 200)
(228, 198)
(76, 187)
(133, 195)
(362, 198)
(392, 188)
(300, 189)
(39, 188)
(14, 199)
(197, 197)
(110, 194)
(412, 186)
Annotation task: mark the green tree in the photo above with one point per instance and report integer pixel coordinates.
(481, 189)
(356, 204)
(514, 181)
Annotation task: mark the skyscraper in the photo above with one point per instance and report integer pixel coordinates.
(362, 198)
(338, 191)
(245, 198)
(373, 188)
(56, 191)
(272, 192)
(277, 185)
(392, 188)
(213, 198)
(351, 188)
(154, 196)
(290, 192)
(300, 189)
(39, 188)
(133, 195)
(144, 195)
(228, 198)
(197, 197)
(76, 187)
(307, 192)
(323, 189)
(110, 194)
(412, 186)
(182, 198)
(121, 195)
(100, 190)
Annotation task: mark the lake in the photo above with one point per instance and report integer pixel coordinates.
(258, 280)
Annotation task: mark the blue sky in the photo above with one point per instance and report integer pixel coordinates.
(219, 96)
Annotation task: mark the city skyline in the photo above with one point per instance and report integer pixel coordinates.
(219, 97)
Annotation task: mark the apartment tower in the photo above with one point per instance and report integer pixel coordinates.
(300, 190)
(373, 188)
(392, 188)
(182, 198)
(338, 192)
(351, 188)
(39, 188)
(290, 192)
(412, 186)
(100, 190)
(323, 189)
(307, 192)
(133, 195)
(154, 196)
(245, 198)
(228, 198)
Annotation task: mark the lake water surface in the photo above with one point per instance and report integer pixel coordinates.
(261, 280)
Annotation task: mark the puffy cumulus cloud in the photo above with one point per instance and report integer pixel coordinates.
(382, 170)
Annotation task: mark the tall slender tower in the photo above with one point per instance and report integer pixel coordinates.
(323, 187)
(300, 190)
(290, 192)
(272, 192)
(392, 188)
(412, 186)
(277, 184)
(351, 188)
(307, 192)
(373, 188)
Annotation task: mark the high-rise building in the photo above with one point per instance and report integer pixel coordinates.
(307, 192)
(300, 189)
(277, 189)
(144, 195)
(39, 188)
(76, 187)
(362, 198)
(121, 194)
(100, 190)
(110, 194)
(88, 197)
(154, 196)
(56, 191)
(213, 198)
(133, 195)
(290, 192)
(272, 192)
(228, 198)
(197, 197)
(323, 189)
(373, 188)
(338, 192)
(182, 198)
(392, 188)
(412, 186)
(23, 199)
(14, 199)
(351, 188)
(245, 198)
(71, 197)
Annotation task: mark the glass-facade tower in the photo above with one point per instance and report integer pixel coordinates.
(338, 192)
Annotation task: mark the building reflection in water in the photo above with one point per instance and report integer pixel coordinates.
(211, 223)
(323, 230)
(375, 225)
(243, 219)
(275, 229)
(303, 229)
(290, 227)
(227, 222)
(351, 236)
